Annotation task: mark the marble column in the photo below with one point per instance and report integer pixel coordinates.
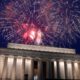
(69, 70)
(26, 67)
(61, 69)
(4, 73)
(55, 69)
(19, 68)
(31, 69)
(2, 60)
(13, 75)
(79, 68)
(9, 67)
(76, 70)
(29, 65)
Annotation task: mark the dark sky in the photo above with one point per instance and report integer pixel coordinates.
(58, 22)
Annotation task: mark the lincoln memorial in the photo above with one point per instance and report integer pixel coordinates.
(31, 62)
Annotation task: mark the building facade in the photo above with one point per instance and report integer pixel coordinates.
(27, 62)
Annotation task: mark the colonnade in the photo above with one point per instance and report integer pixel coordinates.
(20, 68)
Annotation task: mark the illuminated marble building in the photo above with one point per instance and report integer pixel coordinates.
(28, 62)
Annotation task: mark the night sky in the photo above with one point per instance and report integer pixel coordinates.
(54, 23)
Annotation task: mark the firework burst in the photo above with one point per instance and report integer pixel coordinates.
(45, 22)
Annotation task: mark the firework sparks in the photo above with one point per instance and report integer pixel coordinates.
(46, 22)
